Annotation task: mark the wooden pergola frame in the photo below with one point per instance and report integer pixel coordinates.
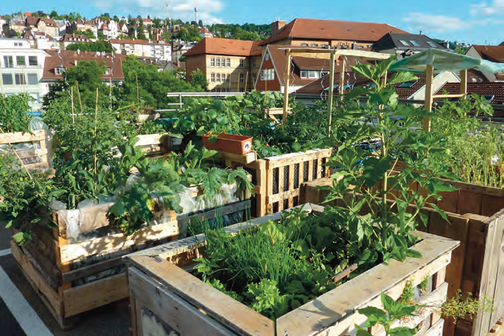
(332, 55)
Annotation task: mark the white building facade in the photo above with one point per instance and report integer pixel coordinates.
(158, 49)
(21, 69)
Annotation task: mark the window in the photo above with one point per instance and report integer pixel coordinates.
(432, 44)
(254, 63)
(323, 73)
(415, 43)
(107, 72)
(32, 60)
(407, 84)
(242, 63)
(304, 44)
(217, 62)
(268, 74)
(325, 46)
(314, 45)
(212, 78)
(266, 57)
(228, 62)
(304, 74)
(313, 74)
(35, 96)
(242, 78)
(32, 79)
(20, 78)
(254, 78)
(58, 71)
(218, 78)
(404, 43)
(228, 79)
(20, 61)
(8, 62)
(212, 62)
(223, 62)
(7, 79)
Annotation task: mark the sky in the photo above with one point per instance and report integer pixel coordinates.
(468, 21)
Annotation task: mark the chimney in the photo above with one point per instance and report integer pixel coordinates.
(276, 27)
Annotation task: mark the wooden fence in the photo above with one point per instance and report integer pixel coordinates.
(478, 264)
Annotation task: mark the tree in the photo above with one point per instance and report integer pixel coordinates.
(101, 36)
(156, 23)
(54, 15)
(91, 46)
(141, 34)
(200, 23)
(88, 33)
(198, 79)
(116, 19)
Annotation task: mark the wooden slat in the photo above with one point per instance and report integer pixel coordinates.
(37, 281)
(169, 308)
(281, 196)
(497, 270)
(18, 137)
(116, 242)
(95, 294)
(288, 159)
(339, 303)
(213, 302)
(241, 159)
(91, 269)
(310, 170)
(291, 184)
(491, 204)
(435, 330)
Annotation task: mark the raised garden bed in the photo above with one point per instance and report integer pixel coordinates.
(35, 157)
(475, 219)
(278, 178)
(73, 276)
(167, 300)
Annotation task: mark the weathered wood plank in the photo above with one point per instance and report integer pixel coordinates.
(171, 309)
(95, 294)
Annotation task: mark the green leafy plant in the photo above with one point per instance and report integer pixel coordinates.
(14, 113)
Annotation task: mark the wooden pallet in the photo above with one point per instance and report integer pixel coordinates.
(498, 328)
(32, 158)
(478, 264)
(278, 178)
(166, 299)
(75, 277)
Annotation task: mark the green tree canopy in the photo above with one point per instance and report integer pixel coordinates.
(88, 33)
(91, 46)
(199, 80)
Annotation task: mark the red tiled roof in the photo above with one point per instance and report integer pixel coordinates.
(137, 41)
(491, 53)
(74, 38)
(495, 89)
(314, 29)
(220, 46)
(67, 58)
(49, 22)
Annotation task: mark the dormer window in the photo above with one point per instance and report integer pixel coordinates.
(59, 71)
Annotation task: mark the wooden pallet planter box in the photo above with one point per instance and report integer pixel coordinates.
(475, 219)
(278, 178)
(168, 300)
(75, 277)
(32, 158)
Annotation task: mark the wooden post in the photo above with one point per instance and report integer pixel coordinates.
(330, 97)
(286, 86)
(429, 76)
(463, 82)
(342, 78)
(246, 80)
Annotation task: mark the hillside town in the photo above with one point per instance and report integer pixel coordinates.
(302, 177)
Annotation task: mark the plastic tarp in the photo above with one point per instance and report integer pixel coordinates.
(443, 60)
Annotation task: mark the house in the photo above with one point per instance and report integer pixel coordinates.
(59, 61)
(40, 40)
(123, 28)
(68, 39)
(48, 26)
(328, 33)
(411, 90)
(62, 26)
(21, 69)
(83, 25)
(229, 65)
(404, 45)
(157, 49)
(109, 28)
(179, 49)
(147, 22)
(273, 66)
(16, 27)
(489, 53)
(204, 32)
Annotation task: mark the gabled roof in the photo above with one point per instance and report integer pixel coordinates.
(67, 58)
(405, 41)
(49, 22)
(315, 29)
(490, 53)
(74, 38)
(31, 21)
(138, 41)
(220, 46)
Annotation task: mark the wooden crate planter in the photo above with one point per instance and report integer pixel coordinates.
(167, 300)
(278, 178)
(478, 264)
(75, 277)
(32, 158)
(229, 143)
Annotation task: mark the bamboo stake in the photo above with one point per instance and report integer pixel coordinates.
(246, 80)
(80, 101)
(286, 86)
(429, 74)
(73, 108)
(138, 92)
(17, 156)
(330, 98)
(95, 124)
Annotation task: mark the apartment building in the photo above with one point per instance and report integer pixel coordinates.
(68, 39)
(21, 69)
(158, 49)
(229, 65)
